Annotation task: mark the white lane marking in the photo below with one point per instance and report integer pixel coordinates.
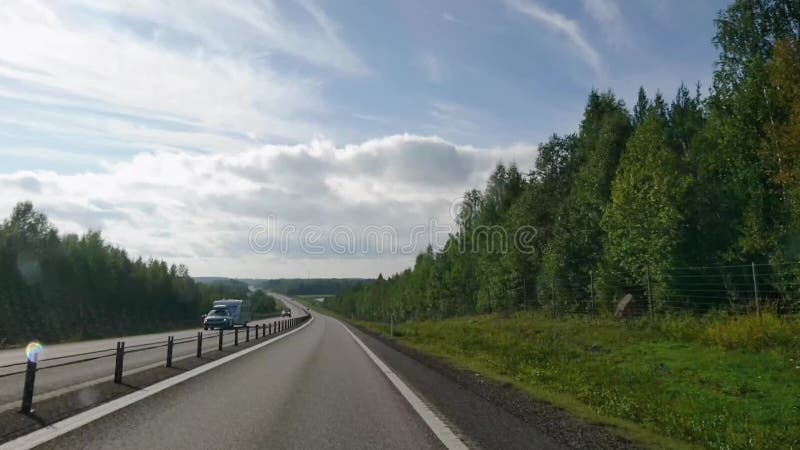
(75, 387)
(57, 429)
(439, 428)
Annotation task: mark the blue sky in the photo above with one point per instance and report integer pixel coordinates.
(96, 97)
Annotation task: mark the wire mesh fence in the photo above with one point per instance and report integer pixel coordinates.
(732, 289)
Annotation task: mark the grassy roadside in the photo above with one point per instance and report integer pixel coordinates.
(679, 382)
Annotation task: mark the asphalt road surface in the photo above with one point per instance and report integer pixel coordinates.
(56, 381)
(316, 388)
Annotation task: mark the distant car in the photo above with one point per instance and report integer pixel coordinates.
(286, 313)
(219, 317)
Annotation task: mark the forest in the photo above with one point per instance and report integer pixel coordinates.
(691, 200)
(61, 287)
(308, 286)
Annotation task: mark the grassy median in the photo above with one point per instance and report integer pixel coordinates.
(713, 382)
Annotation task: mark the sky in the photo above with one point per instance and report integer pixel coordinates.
(267, 139)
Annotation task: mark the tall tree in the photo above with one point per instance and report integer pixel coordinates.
(576, 246)
(644, 221)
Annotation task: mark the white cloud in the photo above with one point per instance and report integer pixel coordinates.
(159, 75)
(452, 19)
(563, 25)
(197, 209)
(608, 15)
(451, 117)
(433, 66)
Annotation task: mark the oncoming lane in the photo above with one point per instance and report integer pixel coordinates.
(315, 389)
(57, 381)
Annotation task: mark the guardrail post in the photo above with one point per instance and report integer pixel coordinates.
(170, 343)
(199, 344)
(257, 328)
(220, 339)
(119, 362)
(264, 329)
(27, 391)
(235, 337)
(246, 333)
(270, 328)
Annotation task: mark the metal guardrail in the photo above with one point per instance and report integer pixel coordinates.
(262, 331)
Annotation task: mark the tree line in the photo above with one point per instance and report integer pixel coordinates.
(308, 286)
(55, 287)
(635, 193)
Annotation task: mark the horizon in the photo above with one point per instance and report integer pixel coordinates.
(176, 131)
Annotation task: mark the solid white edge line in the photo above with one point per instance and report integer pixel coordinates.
(82, 385)
(57, 429)
(439, 428)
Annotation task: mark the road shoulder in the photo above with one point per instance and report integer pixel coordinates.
(485, 414)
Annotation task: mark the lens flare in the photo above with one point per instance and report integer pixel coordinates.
(34, 351)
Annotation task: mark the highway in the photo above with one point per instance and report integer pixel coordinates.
(317, 388)
(56, 381)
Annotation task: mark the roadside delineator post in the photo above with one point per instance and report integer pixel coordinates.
(220, 340)
(27, 391)
(170, 343)
(119, 362)
(199, 344)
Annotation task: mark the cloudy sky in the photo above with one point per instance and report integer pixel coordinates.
(202, 132)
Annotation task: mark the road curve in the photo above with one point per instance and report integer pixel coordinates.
(314, 389)
(50, 382)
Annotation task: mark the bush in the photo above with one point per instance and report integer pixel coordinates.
(756, 333)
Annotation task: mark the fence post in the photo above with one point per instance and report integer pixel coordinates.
(525, 293)
(170, 343)
(235, 336)
(119, 362)
(258, 327)
(27, 391)
(649, 294)
(591, 291)
(269, 329)
(247, 333)
(755, 289)
(220, 339)
(199, 344)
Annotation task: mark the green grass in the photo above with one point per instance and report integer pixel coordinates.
(680, 381)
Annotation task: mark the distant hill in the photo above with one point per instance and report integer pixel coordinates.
(289, 286)
(213, 280)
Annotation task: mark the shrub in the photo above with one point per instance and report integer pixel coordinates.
(754, 333)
